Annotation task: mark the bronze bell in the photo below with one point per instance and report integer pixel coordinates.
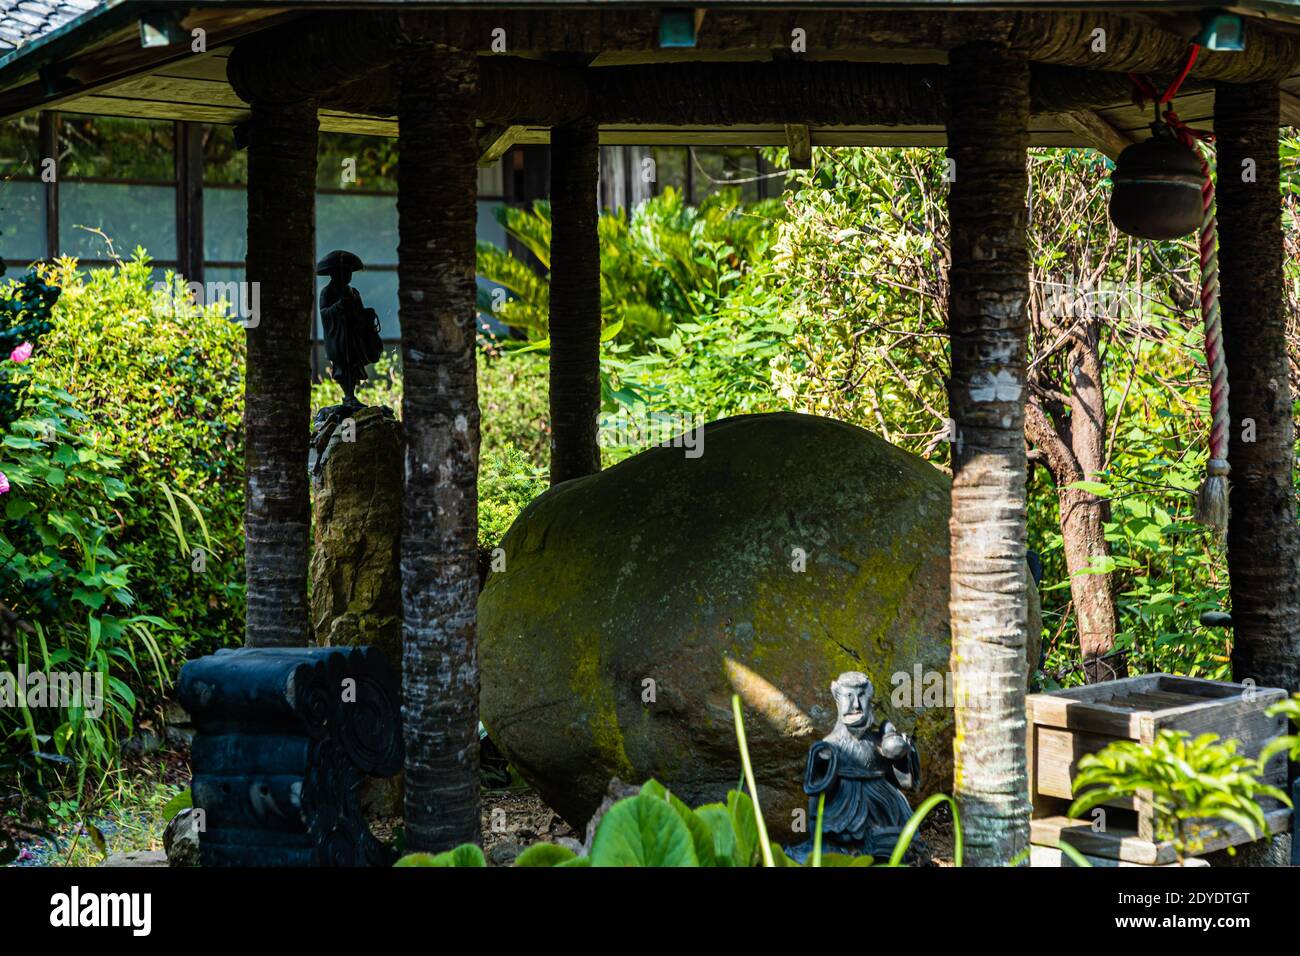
(1157, 188)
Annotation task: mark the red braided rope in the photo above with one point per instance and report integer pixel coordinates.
(1212, 499)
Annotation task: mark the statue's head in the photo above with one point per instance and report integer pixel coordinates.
(340, 264)
(853, 692)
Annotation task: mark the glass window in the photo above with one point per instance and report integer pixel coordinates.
(22, 222)
(379, 291)
(223, 164)
(350, 161)
(670, 167)
(225, 224)
(106, 147)
(126, 215)
(717, 167)
(22, 194)
(366, 225)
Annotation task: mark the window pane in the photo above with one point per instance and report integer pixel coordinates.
(670, 167)
(223, 284)
(129, 216)
(379, 292)
(20, 147)
(223, 164)
(366, 225)
(225, 224)
(106, 147)
(22, 223)
(372, 159)
(716, 167)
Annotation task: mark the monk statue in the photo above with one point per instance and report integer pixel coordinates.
(351, 330)
(863, 774)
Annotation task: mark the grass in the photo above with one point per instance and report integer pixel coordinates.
(124, 814)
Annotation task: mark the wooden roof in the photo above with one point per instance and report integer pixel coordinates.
(98, 56)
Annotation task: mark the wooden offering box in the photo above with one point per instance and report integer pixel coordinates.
(1065, 725)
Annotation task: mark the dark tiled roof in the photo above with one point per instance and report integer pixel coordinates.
(22, 21)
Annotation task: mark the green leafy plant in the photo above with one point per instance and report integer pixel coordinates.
(60, 572)
(669, 262)
(158, 384)
(1188, 782)
(1288, 744)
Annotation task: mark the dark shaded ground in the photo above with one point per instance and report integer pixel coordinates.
(511, 819)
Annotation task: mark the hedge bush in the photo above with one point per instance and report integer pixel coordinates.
(162, 385)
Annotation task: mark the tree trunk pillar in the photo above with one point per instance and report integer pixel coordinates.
(575, 301)
(277, 391)
(989, 286)
(1263, 538)
(436, 206)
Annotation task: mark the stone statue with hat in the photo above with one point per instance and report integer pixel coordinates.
(352, 338)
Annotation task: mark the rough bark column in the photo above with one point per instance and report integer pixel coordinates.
(575, 301)
(1263, 539)
(277, 391)
(988, 138)
(436, 207)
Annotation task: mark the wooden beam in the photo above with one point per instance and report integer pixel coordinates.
(493, 142)
(123, 60)
(575, 301)
(1290, 105)
(799, 140)
(1095, 131)
(49, 133)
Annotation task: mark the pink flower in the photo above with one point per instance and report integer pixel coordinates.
(4, 484)
(22, 353)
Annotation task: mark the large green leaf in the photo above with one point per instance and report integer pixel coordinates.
(701, 835)
(465, 855)
(718, 820)
(745, 824)
(642, 831)
(545, 854)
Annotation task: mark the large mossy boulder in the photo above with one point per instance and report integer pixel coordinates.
(634, 602)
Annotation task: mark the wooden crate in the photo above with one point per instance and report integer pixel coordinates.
(1066, 725)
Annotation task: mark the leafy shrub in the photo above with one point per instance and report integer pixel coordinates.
(1187, 782)
(61, 574)
(160, 382)
(24, 319)
(670, 262)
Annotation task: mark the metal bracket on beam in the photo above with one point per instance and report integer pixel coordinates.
(493, 141)
(678, 28)
(163, 28)
(799, 139)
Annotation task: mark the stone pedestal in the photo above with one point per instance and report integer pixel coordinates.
(356, 467)
(356, 480)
